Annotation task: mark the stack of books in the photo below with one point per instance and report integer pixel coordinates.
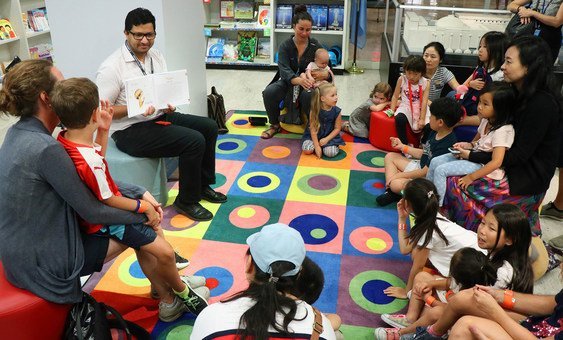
(36, 20)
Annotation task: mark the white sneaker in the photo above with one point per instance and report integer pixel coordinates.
(171, 312)
(193, 281)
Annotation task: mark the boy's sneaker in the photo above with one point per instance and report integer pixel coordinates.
(171, 312)
(204, 292)
(181, 262)
(550, 211)
(396, 320)
(194, 302)
(387, 198)
(422, 334)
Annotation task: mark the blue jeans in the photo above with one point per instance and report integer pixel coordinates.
(445, 166)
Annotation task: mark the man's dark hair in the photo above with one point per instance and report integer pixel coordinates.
(139, 16)
(446, 109)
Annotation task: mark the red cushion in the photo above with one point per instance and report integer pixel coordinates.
(381, 127)
(24, 315)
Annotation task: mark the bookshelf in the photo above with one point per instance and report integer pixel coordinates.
(215, 29)
(20, 45)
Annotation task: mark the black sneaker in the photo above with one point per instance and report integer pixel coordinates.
(387, 198)
(181, 262)
(194, 302)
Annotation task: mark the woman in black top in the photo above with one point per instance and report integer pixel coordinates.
(531, 160)
(294, 55)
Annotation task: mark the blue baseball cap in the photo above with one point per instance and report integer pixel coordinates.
(277, 242)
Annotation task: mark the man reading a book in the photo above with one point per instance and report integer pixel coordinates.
(159, 133)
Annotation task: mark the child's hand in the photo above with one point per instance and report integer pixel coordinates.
(486, 302)
(421, 124)
(402, 210)
(323, 141)
(465, 181)
(396, 292)
(396, 143)
(463, 145)
(477, 84)
(105, 116)
(497, 294)
(169, 109)
(157, 206)
(318, 151)
(463, 153)
(422, 288)
(153, 219)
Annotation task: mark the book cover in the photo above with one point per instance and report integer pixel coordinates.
(215, 49)
(157, 90)
(247, 42)
(264, 48)
(319, 13)
(283, 16)
(25, 21)
(227, 9)
(6, 31)
(40, 20)
(335, 17)
(244, 9)
(264, 18)
(230, 51)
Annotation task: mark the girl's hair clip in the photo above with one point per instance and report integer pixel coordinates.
(273, 279)
(430, 193)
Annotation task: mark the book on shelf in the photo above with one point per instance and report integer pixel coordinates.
(157, 90)
(283, 16)
(37, 19)
(227, 9)
(244, 9)
(41, 51)
(214, 49)
(264, 48)
(319, 13)
(245, 24)
(25, 20)
(264, 17)
(6, 30)
(335, 17)
(227, 24)
(247, 42)
(230, 50)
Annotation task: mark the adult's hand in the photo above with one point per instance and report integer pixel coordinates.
(150, 110)
(525, 15)
(169, 109)
(305, 83)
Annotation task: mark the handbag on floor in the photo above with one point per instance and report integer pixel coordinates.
(216, 110)
(90, 319)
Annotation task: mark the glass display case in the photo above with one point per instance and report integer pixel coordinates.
(458, 25)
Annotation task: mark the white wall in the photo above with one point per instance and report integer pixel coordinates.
(85, 32)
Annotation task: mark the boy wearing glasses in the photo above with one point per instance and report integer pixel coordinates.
(159, 133)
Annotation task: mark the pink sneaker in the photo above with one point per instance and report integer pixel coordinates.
(382, 333)
(396, 320)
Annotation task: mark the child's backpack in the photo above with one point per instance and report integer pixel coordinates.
(216, 110)
(471, 98)
(90, 319)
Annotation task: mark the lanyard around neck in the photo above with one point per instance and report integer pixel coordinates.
(137, 61)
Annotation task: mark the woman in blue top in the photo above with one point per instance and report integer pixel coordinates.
(322, 135)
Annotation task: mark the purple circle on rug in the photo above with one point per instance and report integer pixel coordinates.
(373, 292)
(322, 182)
(259, 181)
(227, 146)
(240, 122)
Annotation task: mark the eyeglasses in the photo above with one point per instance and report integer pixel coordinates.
(140, 36)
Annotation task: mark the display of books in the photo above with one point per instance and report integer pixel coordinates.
(335, 17)
(214, 49)
(319, 15)
(244, 9)
(247, 42)
(245, 24)
(227, 24)
(283, 16)
(227, 9)
(6, 31)
(41, 51)
(264, 18)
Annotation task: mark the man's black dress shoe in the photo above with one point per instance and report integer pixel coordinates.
(195, 211)
(212, 196)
